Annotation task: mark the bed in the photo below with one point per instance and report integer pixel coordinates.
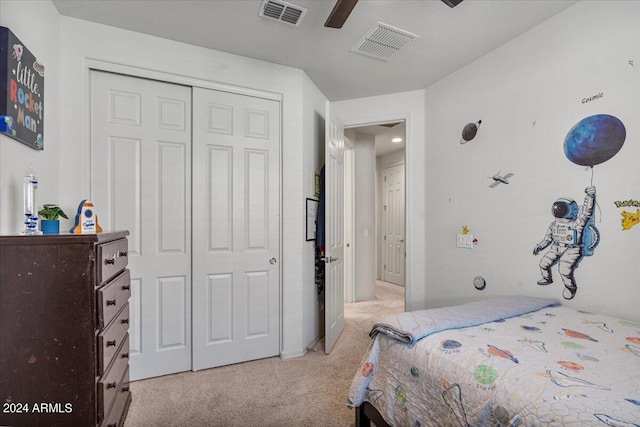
(504, 361)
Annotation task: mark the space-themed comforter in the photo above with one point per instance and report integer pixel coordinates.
(551, 366)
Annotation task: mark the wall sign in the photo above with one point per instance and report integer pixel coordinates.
(21, 92)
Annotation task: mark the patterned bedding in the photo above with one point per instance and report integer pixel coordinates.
(553, 366)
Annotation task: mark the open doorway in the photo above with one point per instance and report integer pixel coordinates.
(374, 209)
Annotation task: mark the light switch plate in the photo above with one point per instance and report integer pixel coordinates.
(464, 241)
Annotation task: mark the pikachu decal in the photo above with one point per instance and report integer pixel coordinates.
(630, 219)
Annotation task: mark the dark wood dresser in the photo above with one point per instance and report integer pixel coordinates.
(64, 320)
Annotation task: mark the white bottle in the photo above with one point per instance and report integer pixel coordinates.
(29, 186)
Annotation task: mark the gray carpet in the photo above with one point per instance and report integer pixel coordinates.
(305, 391)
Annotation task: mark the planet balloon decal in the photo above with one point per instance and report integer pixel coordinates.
(469, 131)
(594, 140)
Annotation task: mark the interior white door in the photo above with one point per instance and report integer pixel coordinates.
(141, 182)
(236, 222)
(394, 226)
(334, 228)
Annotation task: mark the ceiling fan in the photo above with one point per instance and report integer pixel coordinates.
(340, 13)
(343, 8)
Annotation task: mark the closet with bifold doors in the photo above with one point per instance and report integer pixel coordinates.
(194, 174)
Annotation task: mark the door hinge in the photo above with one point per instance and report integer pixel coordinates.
(385, 237)
(385, 266)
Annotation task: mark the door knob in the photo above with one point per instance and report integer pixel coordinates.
(272, 261)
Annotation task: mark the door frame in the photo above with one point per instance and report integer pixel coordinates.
(133, 71)
(380, 120)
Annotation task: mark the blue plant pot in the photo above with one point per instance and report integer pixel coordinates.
(50, 226)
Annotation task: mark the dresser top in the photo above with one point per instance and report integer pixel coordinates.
(62, 238)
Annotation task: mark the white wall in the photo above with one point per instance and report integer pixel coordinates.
(407, 106)
(35, 23)
(83, 41)
(529, 93)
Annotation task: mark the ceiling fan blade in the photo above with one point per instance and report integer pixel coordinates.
(340, 13)
(452, 3)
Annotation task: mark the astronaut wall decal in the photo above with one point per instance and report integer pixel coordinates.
(572, 235)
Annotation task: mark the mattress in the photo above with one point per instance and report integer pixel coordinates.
(552, 366)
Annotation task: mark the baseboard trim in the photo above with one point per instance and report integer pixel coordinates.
(292, 354)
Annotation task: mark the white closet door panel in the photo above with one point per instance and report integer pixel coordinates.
(257, 198)
(220, 308)
(236, 271)
(257, 288)
(124, 186)
(135, 318)
(173, 225)
(220, 198)
(141, 181)
(172, 311)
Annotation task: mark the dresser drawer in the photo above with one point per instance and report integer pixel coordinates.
(110, 339)
(120, 404)
(112, 297)
(109, 384)
(112, 258)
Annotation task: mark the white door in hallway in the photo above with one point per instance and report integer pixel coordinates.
(334, 228)
(393, 217)
(141, 182)
(236, 223)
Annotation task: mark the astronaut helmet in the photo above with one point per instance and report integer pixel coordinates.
(565, 208)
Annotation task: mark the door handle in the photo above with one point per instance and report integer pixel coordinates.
(272, 261)
(329, 259)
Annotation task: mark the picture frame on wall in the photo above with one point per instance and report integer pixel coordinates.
(21, 92)
(312, 218)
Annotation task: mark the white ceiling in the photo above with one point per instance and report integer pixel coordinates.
(449, 37)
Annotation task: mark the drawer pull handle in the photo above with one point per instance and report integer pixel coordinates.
(111, 302)
(110, 260)
(111, 385)
(125, 355)
(125, 389)
(126, 287)
(125, 321)
(111, 343)
(122, 253)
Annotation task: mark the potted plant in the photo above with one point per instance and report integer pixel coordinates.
(50, 214)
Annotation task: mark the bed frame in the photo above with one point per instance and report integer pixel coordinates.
(366, 414)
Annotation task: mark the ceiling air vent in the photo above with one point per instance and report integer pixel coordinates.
(383, 42)
(282, 11)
